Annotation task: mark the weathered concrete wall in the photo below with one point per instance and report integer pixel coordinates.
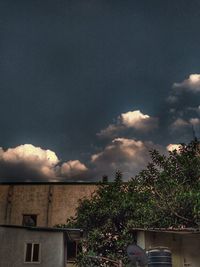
(3, 203)
(65, 200)
(12, 249)
(53, 204)
(190, 250)
(29, 199)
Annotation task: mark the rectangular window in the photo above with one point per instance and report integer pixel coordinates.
(32, 252)
(73, 248)
(29, 220)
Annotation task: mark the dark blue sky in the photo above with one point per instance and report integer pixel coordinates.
(69, 69)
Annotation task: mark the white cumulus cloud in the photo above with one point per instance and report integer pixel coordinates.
(130, 120)
(127, 155)
(29, 153)
(30, 162)
(37, 159)
(172, 147)
(190, 84)
(72, 168)
(135, 119)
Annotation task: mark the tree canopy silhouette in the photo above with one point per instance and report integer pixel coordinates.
(164, 195)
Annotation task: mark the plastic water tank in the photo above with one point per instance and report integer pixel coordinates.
(159, 257)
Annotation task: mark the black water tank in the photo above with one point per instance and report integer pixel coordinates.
(159, 257)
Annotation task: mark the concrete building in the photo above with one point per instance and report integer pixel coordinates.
(48, 204)
(183, 243)
(43, 204)
(31, 246)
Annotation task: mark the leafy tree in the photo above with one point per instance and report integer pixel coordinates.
(104, 217)
(173, 184)
(165, 194)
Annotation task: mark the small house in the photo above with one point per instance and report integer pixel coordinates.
(38, 246)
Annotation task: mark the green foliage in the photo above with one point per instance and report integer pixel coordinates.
(173, 185)
(165, 194)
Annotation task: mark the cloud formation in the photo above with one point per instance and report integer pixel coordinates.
(136, 119)
(180, 123)
(72, 168)
(127, 155)
(30, 162)
(172, 147)
(190, 84)
(183, 108)
(122, 151)
(130, 120)
(183, 98)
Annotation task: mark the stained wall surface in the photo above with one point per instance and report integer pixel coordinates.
(3, 202)
(53, 204)
(12, 249)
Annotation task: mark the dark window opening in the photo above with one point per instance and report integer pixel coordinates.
(28, 252)
(32, 252)
(29, 220)
(36, 248)
(72, 250)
